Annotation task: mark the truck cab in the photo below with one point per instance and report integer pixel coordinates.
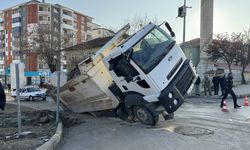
(150, 73)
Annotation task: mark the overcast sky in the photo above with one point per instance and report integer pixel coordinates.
(229, 15)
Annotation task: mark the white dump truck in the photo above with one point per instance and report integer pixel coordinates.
(142, 76)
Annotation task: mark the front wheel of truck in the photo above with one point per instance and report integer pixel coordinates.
(122, 113)
(145, 116)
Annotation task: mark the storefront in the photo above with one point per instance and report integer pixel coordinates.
(37, 78)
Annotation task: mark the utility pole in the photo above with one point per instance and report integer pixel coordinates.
(19, 124)
(184, 22)
(182, 12)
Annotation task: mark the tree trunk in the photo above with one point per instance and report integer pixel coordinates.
(229, 67)
(242, 75)
(52, 68)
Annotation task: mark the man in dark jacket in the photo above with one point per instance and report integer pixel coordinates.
(2, 97)
(228, 90)
(222, 81)
(216, 84)
(197, 85)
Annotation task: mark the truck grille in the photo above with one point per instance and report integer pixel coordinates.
(185, 81)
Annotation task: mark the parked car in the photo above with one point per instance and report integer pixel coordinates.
(31, 93)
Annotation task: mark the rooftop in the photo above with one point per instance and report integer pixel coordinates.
(95, 43)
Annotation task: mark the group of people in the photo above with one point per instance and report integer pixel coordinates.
(218, 81)
(225, 83)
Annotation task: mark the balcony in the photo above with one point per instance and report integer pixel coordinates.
(68, 26)
(44, 13)
(44, 22)
(17, 24)
(44, 9)
(16, 15)
(1, 28)
(1, 19)
(67, 17)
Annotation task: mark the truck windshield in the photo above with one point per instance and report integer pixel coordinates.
(151, 49)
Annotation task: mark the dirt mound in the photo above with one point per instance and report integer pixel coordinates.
(37, 126)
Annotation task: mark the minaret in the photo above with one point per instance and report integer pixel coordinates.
(206, 34)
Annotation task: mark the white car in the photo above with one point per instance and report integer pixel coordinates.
(31, 93)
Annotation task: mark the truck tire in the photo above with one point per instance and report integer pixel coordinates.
(145, 116)
(122, 113)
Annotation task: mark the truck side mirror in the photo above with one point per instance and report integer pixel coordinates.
(170, 29)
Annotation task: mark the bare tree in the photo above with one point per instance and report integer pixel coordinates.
(48, 44)
(243, 54)
(222, 48)
(137, 22)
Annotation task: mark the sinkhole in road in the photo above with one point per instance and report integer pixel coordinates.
(192, 131)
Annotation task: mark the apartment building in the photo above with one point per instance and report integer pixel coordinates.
(17, 24)
(101, 32)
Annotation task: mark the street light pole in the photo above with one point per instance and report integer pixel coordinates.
(182, 12)
(184, 24)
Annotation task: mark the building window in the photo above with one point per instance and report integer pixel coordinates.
(16, 29)
(18, 19)
(55, 11)
(89, 37)
(48, 18)
(40, 8)
(40, 66)
(15, 11)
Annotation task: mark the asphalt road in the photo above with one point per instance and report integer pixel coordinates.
(198, 125)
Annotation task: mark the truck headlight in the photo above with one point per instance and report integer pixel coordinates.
(175, 101)
(170, 95)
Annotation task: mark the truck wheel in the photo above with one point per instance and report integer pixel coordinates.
(31, 98)
(122, 113)
(145, 116)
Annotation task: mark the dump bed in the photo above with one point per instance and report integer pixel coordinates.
(89, 90)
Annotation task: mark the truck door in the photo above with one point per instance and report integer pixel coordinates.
(128, 77)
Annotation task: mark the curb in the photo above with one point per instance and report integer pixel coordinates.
(55, 139)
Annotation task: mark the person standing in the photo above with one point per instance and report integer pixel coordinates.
(197, 86)
(216, 84)
(228, 90)
(222, 81)
(2, 97)
(207, 85)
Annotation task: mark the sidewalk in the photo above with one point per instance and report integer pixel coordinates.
(240, 91)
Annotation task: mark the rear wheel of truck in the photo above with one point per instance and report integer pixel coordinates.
(145, 116)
